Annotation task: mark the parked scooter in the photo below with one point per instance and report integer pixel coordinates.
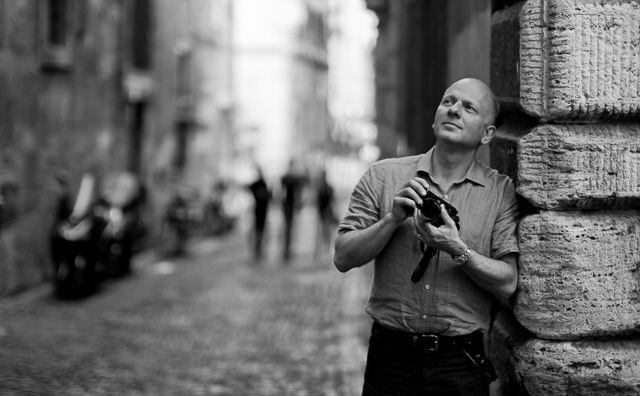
(217, 219)
(180, 220)
(118, 214)
(73, 241)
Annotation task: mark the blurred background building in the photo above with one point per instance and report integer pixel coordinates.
(188, 93)
(196, 93)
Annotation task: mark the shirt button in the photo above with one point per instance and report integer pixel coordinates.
(424, 316)
(427, 287)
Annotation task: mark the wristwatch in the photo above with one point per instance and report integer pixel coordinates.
(463, 257)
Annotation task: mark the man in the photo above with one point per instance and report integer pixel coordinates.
(262, 197)
(427, 336)
(293, 182)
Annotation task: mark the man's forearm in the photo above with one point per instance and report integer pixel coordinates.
(500, 277)
(356, 248)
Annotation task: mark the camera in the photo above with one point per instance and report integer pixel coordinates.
(432, 212)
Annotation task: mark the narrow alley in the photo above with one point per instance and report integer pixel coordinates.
(209, 323)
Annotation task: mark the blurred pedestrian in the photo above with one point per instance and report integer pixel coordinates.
(262, 196)
(293, 182)
(326, 218)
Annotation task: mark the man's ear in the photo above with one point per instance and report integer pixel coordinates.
(488, 134)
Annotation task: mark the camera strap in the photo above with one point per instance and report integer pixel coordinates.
(418, 273)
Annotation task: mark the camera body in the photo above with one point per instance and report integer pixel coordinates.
(432, 212)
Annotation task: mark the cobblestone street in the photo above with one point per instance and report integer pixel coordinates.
(210, 323)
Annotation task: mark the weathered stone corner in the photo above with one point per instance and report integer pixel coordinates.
(568, 60)
(598, 367)
(572, 167)
(529, 366)
(579, 274)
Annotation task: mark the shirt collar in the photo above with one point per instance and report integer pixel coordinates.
(474, 174)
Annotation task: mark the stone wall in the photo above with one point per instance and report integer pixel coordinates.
(24, 186)
(59, 114)
(568, 74)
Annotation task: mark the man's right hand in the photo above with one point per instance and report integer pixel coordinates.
(408, 198)
(358, 247)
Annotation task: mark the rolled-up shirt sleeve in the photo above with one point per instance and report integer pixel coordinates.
(363, 210)
(504, 238)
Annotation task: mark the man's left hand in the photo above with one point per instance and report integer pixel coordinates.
(445, 238)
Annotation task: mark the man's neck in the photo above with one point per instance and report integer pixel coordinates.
(449, 166)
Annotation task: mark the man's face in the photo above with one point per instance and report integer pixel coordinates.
(463, 114)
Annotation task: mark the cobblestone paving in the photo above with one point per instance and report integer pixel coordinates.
(210, 324)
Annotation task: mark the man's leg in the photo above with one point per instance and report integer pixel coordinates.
(288, 226)
(451, 373)
(390, 371)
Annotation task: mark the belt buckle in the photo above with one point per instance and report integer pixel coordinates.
(419, 342)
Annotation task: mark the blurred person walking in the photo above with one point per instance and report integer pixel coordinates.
(327, 221)
(262, 196)
(293, 182)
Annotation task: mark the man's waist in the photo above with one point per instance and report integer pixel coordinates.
(425, 341)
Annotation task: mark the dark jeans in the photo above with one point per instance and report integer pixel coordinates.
(398, 371)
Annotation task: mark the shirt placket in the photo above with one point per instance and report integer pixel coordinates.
(429, 286)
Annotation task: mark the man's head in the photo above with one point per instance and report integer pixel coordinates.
(467, 114)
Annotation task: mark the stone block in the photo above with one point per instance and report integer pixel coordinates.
(579, 274)
(602, 367)
(576, 60)
(589, 166)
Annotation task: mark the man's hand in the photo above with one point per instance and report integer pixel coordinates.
(445, 238)
(408, 197)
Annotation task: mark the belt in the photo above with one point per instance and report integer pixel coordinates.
(424, 342)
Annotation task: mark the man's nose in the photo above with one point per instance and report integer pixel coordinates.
(455, 109)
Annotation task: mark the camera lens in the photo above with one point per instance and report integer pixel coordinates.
(430, 210)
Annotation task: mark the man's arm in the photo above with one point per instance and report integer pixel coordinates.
(499, 277)
(356, 248)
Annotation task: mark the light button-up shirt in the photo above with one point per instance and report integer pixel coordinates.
(446, 301)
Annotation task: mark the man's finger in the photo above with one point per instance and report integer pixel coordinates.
(423, 183)
(445, 216)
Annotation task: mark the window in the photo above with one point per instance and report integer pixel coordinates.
(57, 23)
(2, 24)
(141, 32)
(54, 37)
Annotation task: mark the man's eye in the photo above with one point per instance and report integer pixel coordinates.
(471, 109)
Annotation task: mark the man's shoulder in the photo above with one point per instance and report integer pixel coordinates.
(493, 175)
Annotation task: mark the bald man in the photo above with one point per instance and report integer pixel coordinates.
(434, 280)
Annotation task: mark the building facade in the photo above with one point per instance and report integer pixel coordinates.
(105, 86)
(180, 93)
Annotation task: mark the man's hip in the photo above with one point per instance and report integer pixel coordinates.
(401, 363)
